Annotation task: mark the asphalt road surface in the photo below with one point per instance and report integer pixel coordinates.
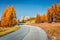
(26, 32)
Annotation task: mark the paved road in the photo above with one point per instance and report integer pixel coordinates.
(26, 33)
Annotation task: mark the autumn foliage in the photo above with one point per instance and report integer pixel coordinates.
(38, 18)
(0, 23)
(8, 17)
(55, 13)
(52, 15)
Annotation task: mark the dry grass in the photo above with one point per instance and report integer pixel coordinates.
(4, 31)
(52, 29)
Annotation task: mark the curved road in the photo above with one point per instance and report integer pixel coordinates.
(26, 33)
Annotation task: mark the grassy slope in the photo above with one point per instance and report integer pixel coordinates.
(4, 31)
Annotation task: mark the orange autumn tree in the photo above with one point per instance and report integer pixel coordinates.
(13, 17)
(45, 18)
(56, 12)
(4, 20)
(8, 17)
(57, 16)
(0, 23)
(50, 15)
(54, 9)
(42, 19)
(38, 18)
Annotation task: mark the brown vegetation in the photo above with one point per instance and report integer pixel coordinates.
(52, 29)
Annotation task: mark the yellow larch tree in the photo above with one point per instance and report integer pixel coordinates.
(50, 15)
(8, 17)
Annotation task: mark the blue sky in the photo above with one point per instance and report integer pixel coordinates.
(28, 7)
